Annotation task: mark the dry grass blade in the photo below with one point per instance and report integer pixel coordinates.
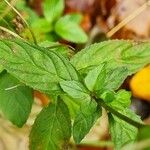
(10, 32)
(17, 12)
(7, 10)
(128, 19)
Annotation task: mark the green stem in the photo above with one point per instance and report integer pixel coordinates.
(118, 114)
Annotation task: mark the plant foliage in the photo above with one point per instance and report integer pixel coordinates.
(86, 83)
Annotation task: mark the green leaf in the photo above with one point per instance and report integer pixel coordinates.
(75, 89)
(85, 119)
(49, 44)
(121, 132)
(93, 75)
(15, 99)
(72, 104)
(53, 9)
(142, 142)
(144, 133)
(116, 52)
(108, 96)
(63, 49)
(74, 17)
(69, 30)
(119, 100)
(41, 26)
(52, 128)
(37, 67)
(122, 100)
(103, 78)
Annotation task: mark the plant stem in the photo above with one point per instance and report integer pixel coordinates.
(118, 114)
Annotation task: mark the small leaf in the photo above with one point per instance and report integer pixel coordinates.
(92, 76)
(52, 128)
(53, 9)
(85, 119)
(122, 100)
(41, 26)
(40, 68)
(15, 99)
(103, 78)
(117, 53)
(121, 132)
(119, 100)
(75, 89)
(69, 30)
(142, 141)
(108, 96)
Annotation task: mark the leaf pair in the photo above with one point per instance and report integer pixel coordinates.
(122, 132)
(89, 111)
(35, 66)
(53, 26)
(67, 26)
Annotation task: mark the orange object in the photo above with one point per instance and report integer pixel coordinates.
(86, 23)
(42, 97)
(140, 84)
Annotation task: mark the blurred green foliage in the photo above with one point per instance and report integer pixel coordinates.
(53, 25)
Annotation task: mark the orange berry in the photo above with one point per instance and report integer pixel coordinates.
(140, 84)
